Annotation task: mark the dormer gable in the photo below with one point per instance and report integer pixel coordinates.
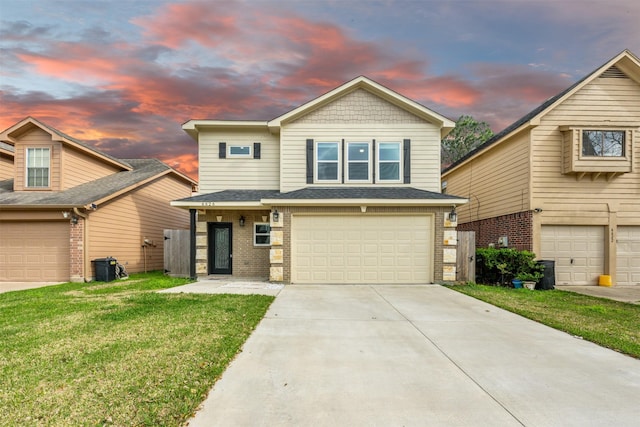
(46, 159)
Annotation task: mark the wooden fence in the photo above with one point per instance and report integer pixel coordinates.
(177, 253)
(466, 257)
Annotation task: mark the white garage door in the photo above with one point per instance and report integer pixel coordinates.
(34, 251)
(578, 252)
(628, 248)
(362, 249)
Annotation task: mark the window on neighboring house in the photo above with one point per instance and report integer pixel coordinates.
(600, 143)
(327, 162)
(389, 166)
(239, 150)
(358, 164)
(261, 234)
(38, 167)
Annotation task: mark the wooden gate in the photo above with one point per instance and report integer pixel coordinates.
(466, 257)
(177, 253)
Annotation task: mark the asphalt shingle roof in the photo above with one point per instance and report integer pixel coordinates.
(322, 193)
(87, 193)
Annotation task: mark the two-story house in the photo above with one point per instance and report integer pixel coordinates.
(343, 189)
(64, 204)
(564, 180)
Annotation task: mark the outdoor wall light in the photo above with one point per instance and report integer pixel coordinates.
(65, 214)
(74, 219)
(242, 220)
(276, 216)
(453, 216)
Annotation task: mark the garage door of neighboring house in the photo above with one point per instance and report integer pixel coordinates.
(34, 251)
(628, 249)
(362, 249)
(578, 252)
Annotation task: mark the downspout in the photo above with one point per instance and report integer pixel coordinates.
(85, 245)
(192, 244)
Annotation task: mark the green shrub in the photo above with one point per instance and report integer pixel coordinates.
(500, 266)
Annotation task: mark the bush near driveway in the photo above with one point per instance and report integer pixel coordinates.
(116, 353)
(611, 324)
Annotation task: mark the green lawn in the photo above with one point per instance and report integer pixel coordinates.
(611, 324)
(116, 353)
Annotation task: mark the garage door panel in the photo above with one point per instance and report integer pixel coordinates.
(34, 251)
(628, 251)
(578, 252)
(375, 249)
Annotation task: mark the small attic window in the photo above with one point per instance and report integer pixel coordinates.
(601, 143)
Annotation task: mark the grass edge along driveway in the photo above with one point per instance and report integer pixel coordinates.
(116, 353)
(611, 324)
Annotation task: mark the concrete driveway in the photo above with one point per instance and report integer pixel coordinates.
(416, 356)
(21, 286)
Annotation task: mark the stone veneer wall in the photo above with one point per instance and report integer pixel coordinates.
(518, 227)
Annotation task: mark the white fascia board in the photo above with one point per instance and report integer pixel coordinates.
(193, 127)
(363, 202)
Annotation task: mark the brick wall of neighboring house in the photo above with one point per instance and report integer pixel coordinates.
(249, 261)
(76, 251)
(518, 227)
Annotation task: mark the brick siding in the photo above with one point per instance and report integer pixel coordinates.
(518, 227)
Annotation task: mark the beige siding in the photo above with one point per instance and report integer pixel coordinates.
(361, 116)
(118, 227)
(78, 168)
(238, 173)
(6, 167)
(606, 102)
(496, 183)
(35, 139)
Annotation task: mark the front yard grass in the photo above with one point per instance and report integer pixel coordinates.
(116, 353)
(611, 324)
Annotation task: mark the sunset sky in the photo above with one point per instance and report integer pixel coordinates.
(123, 75)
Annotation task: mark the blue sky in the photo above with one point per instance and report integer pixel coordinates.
(124, 75)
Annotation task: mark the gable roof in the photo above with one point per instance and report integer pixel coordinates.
(625, 61)
(10, 135)
(361, 82)
(94, 192)
(133, 173)
(377, 89)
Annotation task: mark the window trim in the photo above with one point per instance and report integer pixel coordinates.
(594, 157)
(400, 162)
(27, 167)
(256, 234)
(316, 161)
(348, 162)
(240, 156)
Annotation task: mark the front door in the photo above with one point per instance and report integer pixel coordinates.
(220, 251)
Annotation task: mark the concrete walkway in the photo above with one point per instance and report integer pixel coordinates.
(416, 356)
(630, 294)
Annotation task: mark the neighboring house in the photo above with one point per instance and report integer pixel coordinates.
(64, 204)
(343, 189)
(564, 180)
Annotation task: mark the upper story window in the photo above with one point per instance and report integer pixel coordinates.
(327, 162)
(389, 165)
(602, 143)
(38, 167)
(239, 150)
(358, 162)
